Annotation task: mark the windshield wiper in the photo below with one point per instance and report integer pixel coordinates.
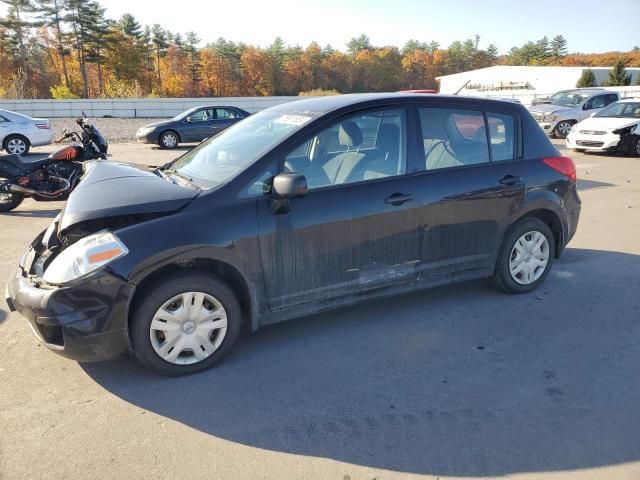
(181, 175)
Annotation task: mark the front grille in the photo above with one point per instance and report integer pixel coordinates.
(589, 143)
(592, 132)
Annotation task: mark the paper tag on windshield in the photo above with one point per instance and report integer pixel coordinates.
(293, 119)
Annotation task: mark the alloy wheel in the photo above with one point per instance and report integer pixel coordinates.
(188, 328)
(529, 258)
(564, 128)
(16, 146)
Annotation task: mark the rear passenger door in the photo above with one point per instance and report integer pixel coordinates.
(223, 118)
(472, 179)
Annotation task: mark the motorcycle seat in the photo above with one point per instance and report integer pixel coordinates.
(22, 165)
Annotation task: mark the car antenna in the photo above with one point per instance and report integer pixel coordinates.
(463, 85)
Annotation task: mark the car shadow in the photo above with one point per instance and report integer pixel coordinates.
(591, 184)
(460, 380)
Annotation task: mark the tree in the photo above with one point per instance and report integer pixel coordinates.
(159, 38)
(194, 59)
(130, 26)
(558, 47)
(358, 44)
(17, 29)
(52, 13)
(587, 79)
(618, 76)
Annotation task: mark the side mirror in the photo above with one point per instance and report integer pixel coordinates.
(188, 119)
(289, 185)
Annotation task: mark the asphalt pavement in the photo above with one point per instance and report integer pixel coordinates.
(461, 381)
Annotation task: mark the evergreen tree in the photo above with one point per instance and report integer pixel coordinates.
(51, 13)
(618, 76)
(558, 47)
(358, 44)
(130, 26)
(160, 40)
(587, 79)
(194, 58)
(83, 16)
(17, 28)
(492, 53)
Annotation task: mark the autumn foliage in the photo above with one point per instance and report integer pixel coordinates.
(69, 49)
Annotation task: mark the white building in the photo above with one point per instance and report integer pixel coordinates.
(522, 82)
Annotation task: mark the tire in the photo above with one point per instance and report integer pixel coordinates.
(9, 201)
(512, 248)
(562, 129)
(17, 145)
(634, 148)
(187, 332)
(169, 140)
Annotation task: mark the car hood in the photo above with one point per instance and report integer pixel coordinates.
(548, 108)
(606, 123)
(110, 189)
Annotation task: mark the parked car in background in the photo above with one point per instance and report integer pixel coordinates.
(193, 125)
(568, 107)
(614, 128)
(302, 207)
(18, 133)
(550, 98)
(419, 91)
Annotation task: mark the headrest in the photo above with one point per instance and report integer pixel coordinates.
(349, 134)
(388, 137)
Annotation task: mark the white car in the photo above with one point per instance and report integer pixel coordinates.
(614, 128)
(18, 133)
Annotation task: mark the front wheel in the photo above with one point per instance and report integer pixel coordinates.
(168, 140)
(525, 257)
(562, 129)
(184, 323)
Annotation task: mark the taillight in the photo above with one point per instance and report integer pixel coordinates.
(564, 165)
(43, 126)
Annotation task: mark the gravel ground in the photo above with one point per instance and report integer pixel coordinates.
(116, 130)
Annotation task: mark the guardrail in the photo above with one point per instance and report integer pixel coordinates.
(134, 108)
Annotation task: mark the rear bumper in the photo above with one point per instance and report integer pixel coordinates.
(41, 137)
(86, 321)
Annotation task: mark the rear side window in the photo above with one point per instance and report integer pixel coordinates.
(453, 137)
(611, 97)
(501, 134)
(225, 113)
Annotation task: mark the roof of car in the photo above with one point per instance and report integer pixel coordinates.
(334, 102)
(629, 100)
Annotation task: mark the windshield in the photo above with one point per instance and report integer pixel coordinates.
(568, 99)
(621, 110)
(224, 156)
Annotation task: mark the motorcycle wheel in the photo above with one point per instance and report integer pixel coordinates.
(9, 201)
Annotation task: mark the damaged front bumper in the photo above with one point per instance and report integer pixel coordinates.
(84, 321)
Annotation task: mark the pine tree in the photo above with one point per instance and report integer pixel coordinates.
(492, 53)
(160, 41)
(618, 76)
(17, 27)
(194, 58)
(51, 13)
(130, 26)
(558, 47)
(358, 44)
(587, 79)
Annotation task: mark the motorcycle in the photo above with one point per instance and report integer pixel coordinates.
(55, 177)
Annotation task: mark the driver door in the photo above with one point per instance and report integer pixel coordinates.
(196, 125)
(352, 231)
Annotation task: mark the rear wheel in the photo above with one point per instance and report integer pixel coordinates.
(184, 323)
(525, 257)
(168, 139)
(17, 145)
(562, 129)
(9, 201)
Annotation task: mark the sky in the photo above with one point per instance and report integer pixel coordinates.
(505, 23)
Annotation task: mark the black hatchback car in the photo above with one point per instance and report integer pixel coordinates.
(193, 125)
(300, 208)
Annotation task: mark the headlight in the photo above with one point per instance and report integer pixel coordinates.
(549, 118)
(143, 131)
(84, 257)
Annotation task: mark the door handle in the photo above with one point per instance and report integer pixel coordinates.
(397, 199)
(510, 180)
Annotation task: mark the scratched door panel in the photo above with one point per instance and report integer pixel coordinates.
(339, 241)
